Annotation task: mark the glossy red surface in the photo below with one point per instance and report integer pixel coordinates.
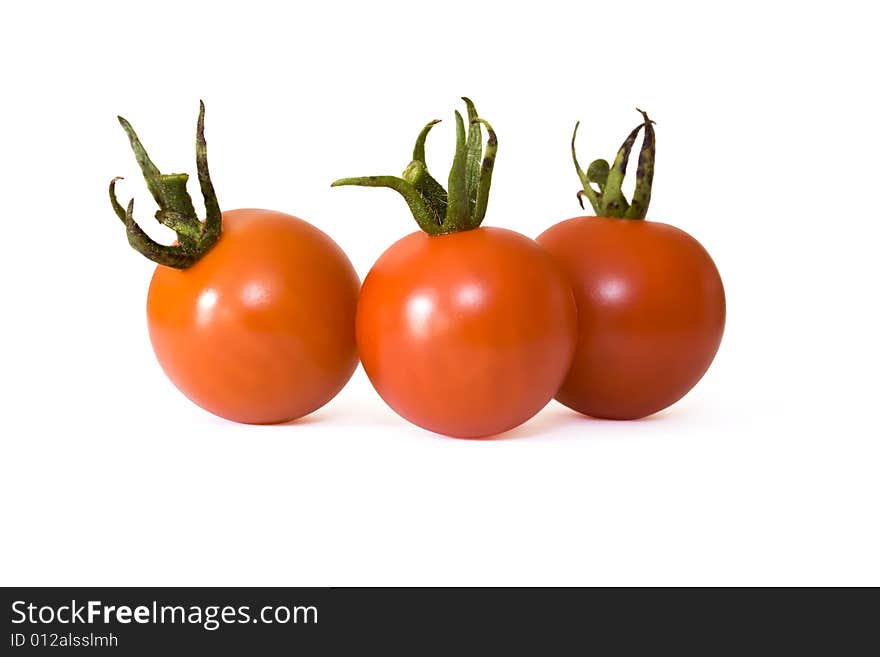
(651, 312)
(467, 334)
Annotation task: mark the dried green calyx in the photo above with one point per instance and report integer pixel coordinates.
(463, 207)
(608, 200)
(194, 237)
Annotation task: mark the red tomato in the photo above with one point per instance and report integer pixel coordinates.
(260, 329)
(466, 334)
(651, 314)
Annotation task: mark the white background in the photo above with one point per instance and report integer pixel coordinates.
(767, 473)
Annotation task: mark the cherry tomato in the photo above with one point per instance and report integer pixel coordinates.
(250, 312)
(650, 301)
(651, 312)
(467, 334)
(463, 330)
(261, 329)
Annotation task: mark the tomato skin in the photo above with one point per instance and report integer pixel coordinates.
(467, 334)
(261, 329)
(651, 313)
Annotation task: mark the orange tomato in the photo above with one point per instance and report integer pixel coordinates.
(467, 334)
(261, 329)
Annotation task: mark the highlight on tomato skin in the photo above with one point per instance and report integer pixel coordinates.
(651, 303)
(463, 330)
(250, 312)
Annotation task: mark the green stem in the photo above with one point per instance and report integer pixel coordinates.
(644, 173)
(474, 153)
(608, 200)
(213, 222)
(176, 211)
(458, 212)
(587, 190)
(484, 179)
(423, 215)
(419, 148)
(614, 203)
(437, 211)
(417, 175)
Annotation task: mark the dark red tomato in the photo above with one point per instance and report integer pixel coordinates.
(467, 334)
(260, 329)
(651, 312)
